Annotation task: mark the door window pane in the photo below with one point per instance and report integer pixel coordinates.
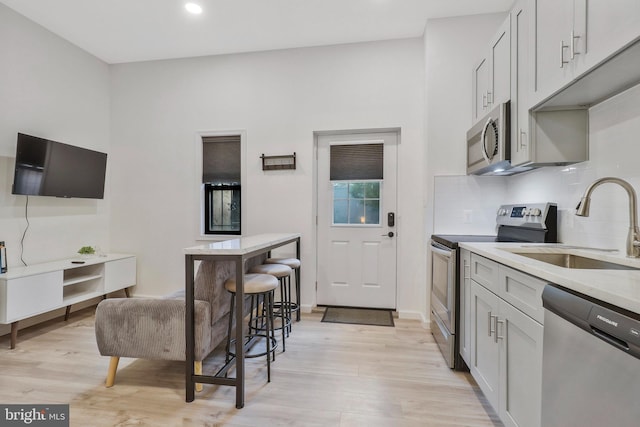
(356, 211)
(356, 190)
(356, 202)
(340, 190)
(340, 211)
(372, 211)
(372, 190)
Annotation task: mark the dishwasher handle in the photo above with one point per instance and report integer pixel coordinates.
(604, 322)
(617, 329)
(614, 341)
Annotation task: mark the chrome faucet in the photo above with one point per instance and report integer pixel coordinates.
(633, 238)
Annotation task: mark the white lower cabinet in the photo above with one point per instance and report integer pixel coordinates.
(485, 358)
(506, 346)
(119, 274)
(27, 296)
(520, 367)
(464, 337)
(38, 288)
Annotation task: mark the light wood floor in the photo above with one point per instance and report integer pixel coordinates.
(330, 375)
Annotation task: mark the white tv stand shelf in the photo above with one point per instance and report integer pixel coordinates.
(28, 291)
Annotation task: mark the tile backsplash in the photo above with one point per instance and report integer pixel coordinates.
(467, 204)
(614, 150)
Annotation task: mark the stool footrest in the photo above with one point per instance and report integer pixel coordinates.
(274, 345)
(292, 305)
(277, 320)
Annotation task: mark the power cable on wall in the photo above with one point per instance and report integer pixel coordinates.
(26, 217)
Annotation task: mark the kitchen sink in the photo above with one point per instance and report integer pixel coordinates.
(575, 261)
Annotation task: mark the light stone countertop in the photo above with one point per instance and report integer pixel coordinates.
(618, 287)
(242, 245)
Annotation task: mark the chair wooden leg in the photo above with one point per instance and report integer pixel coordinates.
(197, 369)
(111, 375)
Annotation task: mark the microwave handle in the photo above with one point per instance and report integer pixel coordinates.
(482, 143)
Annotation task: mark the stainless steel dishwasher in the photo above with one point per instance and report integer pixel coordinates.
(591, 363)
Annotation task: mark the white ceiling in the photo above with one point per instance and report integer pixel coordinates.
(138, 30)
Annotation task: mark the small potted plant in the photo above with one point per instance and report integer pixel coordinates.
(86, 252)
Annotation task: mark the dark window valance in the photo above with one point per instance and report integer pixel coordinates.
(221, 159)
(356, 162)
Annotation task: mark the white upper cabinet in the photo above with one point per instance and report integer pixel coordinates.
(492, 73)
(607, 25)
(554, 29)
(522, 83)
(543, 138)
(500, 65)
(480, 89)
(572, 36)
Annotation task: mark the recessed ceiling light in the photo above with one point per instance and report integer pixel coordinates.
(194, 8)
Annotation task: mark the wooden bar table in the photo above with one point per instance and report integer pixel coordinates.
(239, 250)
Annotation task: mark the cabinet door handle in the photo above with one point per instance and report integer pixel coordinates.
(467, 267)
(484, 101)
(562, 48)
(489, 98)
(490, 317)
(496, 336)
(573, 45)
(523, 137)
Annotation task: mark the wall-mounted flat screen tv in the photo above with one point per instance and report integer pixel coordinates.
(49, 168)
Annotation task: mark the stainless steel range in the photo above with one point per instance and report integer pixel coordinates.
(530, 223)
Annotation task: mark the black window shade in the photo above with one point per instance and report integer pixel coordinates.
(356, 162)
(221, 159)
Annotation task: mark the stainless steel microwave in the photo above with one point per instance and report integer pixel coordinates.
(488, 143)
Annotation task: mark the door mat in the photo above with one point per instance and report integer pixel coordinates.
(358, 316)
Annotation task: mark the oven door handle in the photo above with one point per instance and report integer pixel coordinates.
(447, 253)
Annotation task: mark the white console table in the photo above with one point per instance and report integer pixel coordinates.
(28, 291)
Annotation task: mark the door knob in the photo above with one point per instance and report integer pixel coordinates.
(389, 234)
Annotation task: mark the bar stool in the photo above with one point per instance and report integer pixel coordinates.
(281, 273)
(294, 264)
(255, 285)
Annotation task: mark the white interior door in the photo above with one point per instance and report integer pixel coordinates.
(357, 220)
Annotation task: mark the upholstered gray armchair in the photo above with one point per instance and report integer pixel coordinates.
(150, 328)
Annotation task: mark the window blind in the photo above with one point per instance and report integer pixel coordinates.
(356, 162)
(221, 159)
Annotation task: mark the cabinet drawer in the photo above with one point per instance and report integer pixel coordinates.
(485, 272)
(119, 274)
(31, 295)
(522, 291)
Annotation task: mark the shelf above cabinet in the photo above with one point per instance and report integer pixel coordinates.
(79, 295)
(80, 279)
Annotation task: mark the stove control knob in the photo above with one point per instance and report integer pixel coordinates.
(526, 212)
(536, 212)
(502, 212)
